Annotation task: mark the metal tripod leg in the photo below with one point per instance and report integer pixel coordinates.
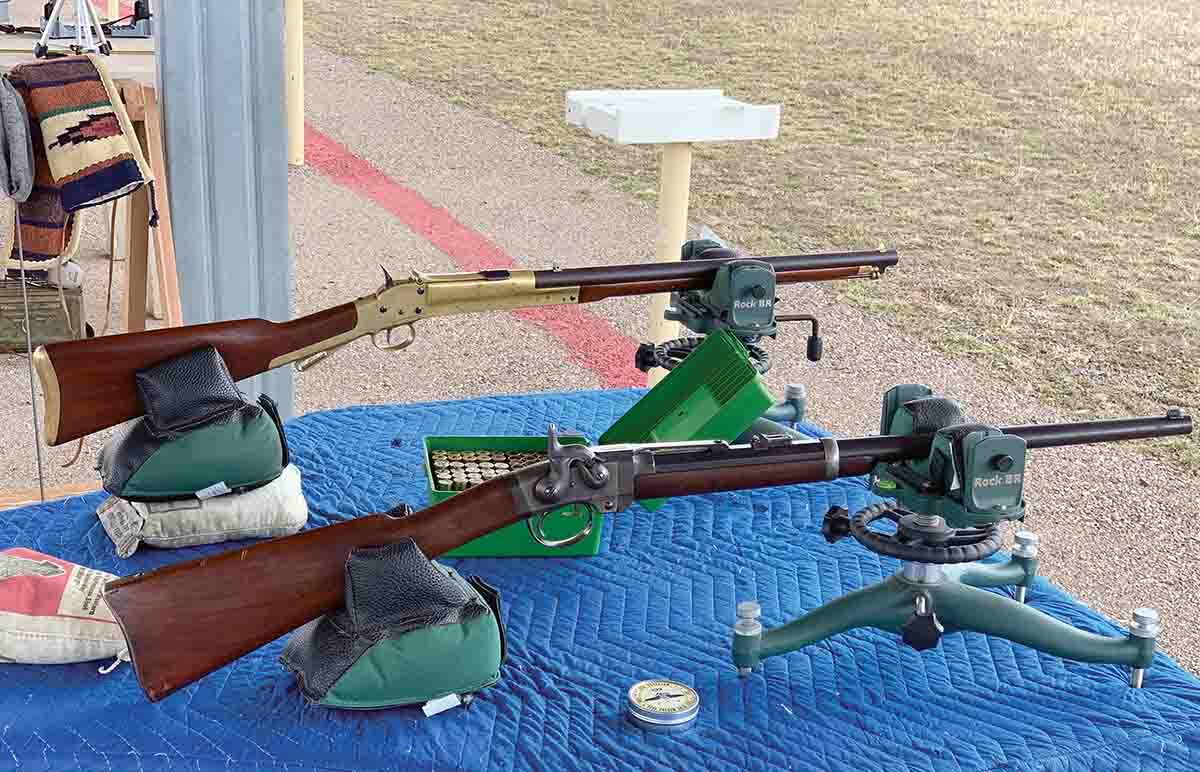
(1019, 570)
(89, 30)
(961, 607)
(885, 604)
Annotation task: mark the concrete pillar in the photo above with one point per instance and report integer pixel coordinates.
(221, 86)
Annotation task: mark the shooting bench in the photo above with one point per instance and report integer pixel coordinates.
(658, 601)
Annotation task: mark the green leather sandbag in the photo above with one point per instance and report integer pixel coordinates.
(411, 631)
(199, 435)
(421, 665)
(238, 451)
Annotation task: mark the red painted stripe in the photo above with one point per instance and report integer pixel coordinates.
(590, 341)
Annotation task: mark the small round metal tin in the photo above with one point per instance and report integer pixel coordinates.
(662, 705)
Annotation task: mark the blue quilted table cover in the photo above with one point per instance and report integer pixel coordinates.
(658, 602)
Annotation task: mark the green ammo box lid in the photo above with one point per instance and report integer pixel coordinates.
(713, 394)
(515, 540)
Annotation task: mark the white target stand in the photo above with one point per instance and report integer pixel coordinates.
(675, 119)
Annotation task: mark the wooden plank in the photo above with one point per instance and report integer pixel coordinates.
(164, 239)
(138, 67)
(131, 94)
(293, 44)
(135, 48)
(137, 262)
(23, 498)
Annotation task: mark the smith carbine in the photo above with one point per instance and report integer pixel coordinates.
(186, 620)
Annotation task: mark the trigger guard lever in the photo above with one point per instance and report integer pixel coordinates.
(387, 344)
(537, 529)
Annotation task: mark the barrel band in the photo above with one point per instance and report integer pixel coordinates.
(832, 460)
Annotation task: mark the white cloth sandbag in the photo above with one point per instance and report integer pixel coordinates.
(52, 612)
(275, 509)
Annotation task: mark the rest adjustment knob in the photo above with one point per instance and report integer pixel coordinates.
(836, 524)
(922, 632)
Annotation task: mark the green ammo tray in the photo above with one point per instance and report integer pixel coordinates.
(713, 394)
(515, 540)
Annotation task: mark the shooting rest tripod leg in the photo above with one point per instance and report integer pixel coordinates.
(1019, 571)
(961, 607)
(885, 605)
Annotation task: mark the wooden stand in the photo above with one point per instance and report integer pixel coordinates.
(674, 192)
(141, 102)
(675, 119)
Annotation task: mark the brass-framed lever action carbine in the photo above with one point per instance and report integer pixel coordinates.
(184, 621)
(89, 385)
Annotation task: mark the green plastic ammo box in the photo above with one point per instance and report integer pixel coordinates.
(713, 394)
(515, 540)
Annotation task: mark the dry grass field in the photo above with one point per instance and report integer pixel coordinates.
(1036, 162)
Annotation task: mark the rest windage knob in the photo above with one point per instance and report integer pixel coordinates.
(922, 631)
(836, 524)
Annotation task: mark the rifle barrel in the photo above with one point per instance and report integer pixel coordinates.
(1057, 435)
(713, 468)
(705, 270)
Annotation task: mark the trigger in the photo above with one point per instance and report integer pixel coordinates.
(388, 344)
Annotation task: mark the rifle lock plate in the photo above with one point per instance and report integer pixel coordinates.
(576, 474)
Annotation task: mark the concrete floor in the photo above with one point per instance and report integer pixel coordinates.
(1109, 519)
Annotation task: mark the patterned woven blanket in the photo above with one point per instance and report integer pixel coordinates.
(85, 151)
(34, 270)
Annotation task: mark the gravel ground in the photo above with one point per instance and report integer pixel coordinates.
(1106, 515)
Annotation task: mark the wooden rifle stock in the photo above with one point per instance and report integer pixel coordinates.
(189, 619)
(89, 385)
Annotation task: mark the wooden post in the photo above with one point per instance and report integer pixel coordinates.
(137, 215)
(164, 237)
(137, 261)
(674, 191)
(294, 43)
